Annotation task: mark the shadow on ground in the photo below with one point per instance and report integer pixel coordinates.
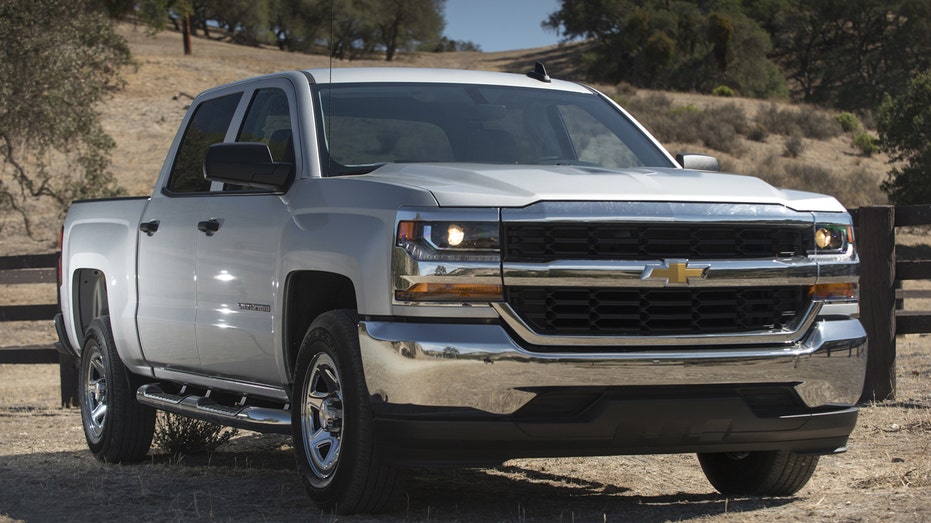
(255, 480)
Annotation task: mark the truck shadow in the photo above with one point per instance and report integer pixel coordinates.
(258, 481)
(511, 492)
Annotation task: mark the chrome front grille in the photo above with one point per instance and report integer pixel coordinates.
(588, 311)
(550, 241)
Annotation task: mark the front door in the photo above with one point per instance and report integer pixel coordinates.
(238, 284)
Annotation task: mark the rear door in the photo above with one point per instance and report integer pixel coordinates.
(167, 236)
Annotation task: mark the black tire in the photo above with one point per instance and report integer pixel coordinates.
(762, 473)
(332, 422)
(117, 427)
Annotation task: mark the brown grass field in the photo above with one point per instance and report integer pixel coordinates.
(47, 473)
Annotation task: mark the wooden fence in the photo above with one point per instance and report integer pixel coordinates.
(36, 269)
(881, 277)
(880, 280)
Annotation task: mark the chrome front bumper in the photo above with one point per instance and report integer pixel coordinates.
(480, 368)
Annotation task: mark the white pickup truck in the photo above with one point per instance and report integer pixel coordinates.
(411, 266)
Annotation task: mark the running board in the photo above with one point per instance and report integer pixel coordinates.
(259, 419)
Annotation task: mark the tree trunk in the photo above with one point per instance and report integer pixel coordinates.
(186, 32)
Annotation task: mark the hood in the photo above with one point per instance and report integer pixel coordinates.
(483, 185)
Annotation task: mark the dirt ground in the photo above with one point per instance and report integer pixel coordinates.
(47, 474)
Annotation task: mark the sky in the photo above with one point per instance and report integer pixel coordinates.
(500, 25)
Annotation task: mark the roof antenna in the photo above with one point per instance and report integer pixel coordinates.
(539, 73)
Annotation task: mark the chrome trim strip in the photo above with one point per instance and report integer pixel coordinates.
(407, 271)
(660, 212)
(720, 273)
(527, 334)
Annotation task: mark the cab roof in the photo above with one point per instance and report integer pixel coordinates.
(419, 75)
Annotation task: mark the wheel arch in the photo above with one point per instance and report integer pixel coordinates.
(308, 294)
(89, 298)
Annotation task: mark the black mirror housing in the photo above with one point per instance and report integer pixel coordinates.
(247, 163)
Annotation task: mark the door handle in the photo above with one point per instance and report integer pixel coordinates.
(150, 227)
(209, 227)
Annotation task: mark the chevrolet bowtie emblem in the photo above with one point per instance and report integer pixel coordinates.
(675, 273)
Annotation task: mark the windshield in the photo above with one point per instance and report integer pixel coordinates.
(368, 125)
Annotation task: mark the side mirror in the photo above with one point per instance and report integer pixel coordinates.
(698, 162)
(246, 163)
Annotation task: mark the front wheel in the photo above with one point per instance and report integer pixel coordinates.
(332, 421)
(762, 473)
(117, 427)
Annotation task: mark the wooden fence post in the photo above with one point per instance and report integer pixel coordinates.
(876, 238)
(68, 374)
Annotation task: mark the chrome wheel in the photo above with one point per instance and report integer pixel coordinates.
(117, 427)
(333, 424)
(322, 422)
(95, 393)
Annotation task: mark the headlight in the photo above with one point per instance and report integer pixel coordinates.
(438, 261)
(450, 241)
(832, 238)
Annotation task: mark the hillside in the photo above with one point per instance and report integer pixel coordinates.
(144, 116)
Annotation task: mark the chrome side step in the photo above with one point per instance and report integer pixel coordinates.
(259, 419)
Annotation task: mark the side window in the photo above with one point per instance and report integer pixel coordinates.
(269, 121)
(208, 126)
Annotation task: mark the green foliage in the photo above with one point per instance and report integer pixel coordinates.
(723, 91)
(839, 53)
(675, 44)
(904, 125)
(59, 59)
(445, 45)
(349, 29)
(866, 143)
(179, 435)
(847, 54)
(849, 122)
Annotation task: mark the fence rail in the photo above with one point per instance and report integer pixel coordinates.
(28, 269)
(880, 290)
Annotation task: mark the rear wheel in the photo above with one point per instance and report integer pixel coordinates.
(333, 423)
(116, 426)
(762, 473)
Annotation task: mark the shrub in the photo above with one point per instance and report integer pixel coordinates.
(817, 125)
(723, 90)
(720, 136)
(794, 146)
(177, 435)
(776, 120)
(810, 123)
(758, 133)
(809, 178)
(866, 143)
(849, 122)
